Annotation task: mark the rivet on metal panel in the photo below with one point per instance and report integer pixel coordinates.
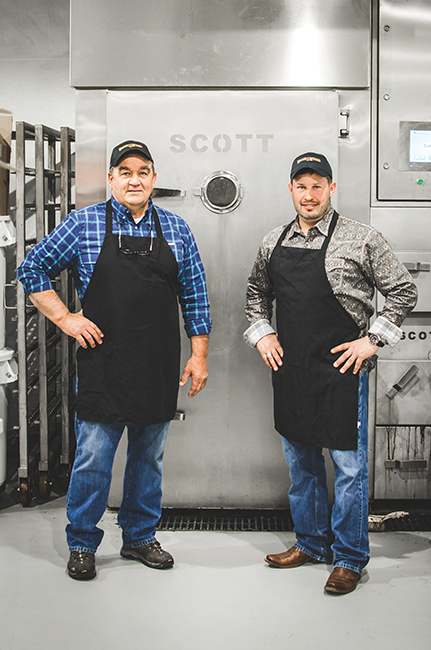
(386, 97)
(387, 28)
(385, 166)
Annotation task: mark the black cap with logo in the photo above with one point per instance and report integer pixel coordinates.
(315, 161)
(129, 147)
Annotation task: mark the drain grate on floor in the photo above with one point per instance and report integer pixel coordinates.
(225, 520)
(269, 521)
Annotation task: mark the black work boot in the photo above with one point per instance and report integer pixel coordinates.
(81, 565)
(151, 555)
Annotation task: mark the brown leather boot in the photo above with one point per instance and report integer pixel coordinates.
(342, 581)
(289, 559)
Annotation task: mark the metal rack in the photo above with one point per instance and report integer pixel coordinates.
(46, 356)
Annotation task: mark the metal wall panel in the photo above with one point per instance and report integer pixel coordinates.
(404, 94)
(403, 193)
(403, 456)
(34, 62)
(415, 343)
(91, 160)
(353, 181)
(403, 392)
(228, 43)
(418, 264)
(405, 228)
(403, 413)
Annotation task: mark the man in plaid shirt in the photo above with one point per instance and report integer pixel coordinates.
(132, 263)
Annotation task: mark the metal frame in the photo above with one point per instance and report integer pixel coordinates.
(55, 354)
(68, 296)
(23, 132)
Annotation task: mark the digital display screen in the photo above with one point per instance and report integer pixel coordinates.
(420, 146)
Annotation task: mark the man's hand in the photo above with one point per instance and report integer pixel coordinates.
(76, 325)
(355, 353)
(196, 366)
(271, 351)
(82, 329)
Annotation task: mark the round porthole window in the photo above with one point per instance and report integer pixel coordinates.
(221, 192)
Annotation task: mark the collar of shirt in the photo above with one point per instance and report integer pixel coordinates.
(122, 214)
(322, 226)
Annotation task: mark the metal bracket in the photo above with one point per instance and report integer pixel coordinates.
(13, 285)
(417, 266)
(419, 463)
(7, 231)
(180, 415)
(8, 366)
(402, 382)
(162, 192)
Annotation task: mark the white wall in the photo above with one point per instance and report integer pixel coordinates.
(34, 62)
(34, 87)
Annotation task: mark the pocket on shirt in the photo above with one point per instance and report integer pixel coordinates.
(335, 267)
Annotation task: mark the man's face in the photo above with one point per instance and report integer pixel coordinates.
(311, 194)
(132, 182)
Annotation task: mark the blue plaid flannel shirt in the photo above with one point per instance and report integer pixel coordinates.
(76, 242)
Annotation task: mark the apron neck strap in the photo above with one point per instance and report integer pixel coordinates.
(156, 221)
(284, 233)
(109, 217)
(330, 231)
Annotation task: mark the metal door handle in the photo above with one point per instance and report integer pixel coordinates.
(163, 192)
(417, 266)
(345, 132)
(402, 382)
(419, 463)
(13, 285)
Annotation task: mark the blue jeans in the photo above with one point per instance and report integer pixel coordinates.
(343, 534)
(88, 492)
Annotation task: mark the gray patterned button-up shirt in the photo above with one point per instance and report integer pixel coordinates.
(358, 259)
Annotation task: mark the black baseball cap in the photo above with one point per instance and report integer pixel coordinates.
(315, 161)
(128, 147)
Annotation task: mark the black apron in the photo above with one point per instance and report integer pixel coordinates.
(132, 377)
(314, 403)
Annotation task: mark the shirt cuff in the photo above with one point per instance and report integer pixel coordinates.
(257, 331)
(35, 285)
(388, 332)
(198, 327)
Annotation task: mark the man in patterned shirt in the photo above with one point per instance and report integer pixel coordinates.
(322, 270)
(131, 262)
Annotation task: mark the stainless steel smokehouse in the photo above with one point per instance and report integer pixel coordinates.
(226, 94)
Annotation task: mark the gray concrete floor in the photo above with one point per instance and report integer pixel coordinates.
(220, 594)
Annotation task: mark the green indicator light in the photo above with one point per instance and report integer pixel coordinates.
(421, 181)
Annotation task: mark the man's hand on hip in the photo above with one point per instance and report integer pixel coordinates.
(355, 352)
(82, 329)
(76, 325)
